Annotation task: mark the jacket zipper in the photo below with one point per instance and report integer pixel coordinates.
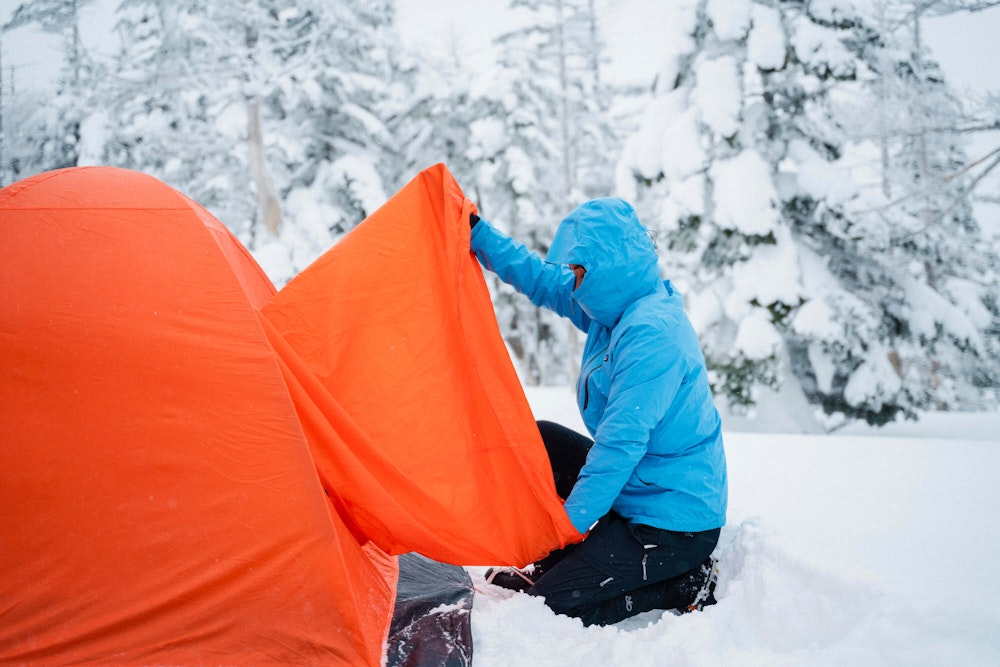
(586, 379)
(645, 557)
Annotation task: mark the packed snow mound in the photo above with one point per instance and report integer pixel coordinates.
(774, 609)
(773, 605)
(860, 549)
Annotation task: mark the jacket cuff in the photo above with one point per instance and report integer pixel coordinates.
(581, 522)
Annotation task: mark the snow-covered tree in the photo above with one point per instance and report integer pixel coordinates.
(546, 146)
(929, 182)
(760, 164)
(64, 108)
(24, 126)
(435, 108)
(268, 114)
(971, 118)
(171, 107)
(330, 103)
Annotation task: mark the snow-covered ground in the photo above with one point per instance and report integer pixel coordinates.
(866, 547)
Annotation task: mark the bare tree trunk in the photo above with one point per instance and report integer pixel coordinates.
(77, 56)
(595, 62)
(267, 202)
(572, 352)
(268, 210)
(3, 169)
(927, 214)
(564, 104)
(883, 128)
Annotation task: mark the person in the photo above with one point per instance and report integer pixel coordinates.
(649, 486)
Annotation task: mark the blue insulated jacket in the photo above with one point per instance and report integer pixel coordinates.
(643, 390)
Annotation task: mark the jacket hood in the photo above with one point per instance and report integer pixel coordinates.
(606, 237)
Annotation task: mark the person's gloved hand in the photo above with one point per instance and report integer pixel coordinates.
(473, 219)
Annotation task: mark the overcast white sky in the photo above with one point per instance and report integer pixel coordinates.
(967, 45)
(632, 29)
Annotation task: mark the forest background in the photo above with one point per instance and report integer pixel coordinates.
(823, 188)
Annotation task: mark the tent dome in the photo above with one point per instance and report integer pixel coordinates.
(160, 504)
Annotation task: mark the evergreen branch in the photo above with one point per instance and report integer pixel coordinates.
(945, 7)
(944, 129)
(956, 200)
(940, 186)
(972, 165)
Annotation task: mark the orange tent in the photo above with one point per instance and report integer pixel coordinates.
(197, 470)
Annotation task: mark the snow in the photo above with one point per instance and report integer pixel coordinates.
(820, 47)
(231, 121)
(765, 44)
(744, 194)
(657, 147)
(875, 377)
(756, 337)
(935, 310)
(865, 547)
(703, 308)
(312, 217)
(93, 138)
(823, 365)
(675, 26)
(820, 179)
(490, 134)
(730, 18)
(967, 297)
(522, 174)
(362, 179)
(717, 94)
(689, 195)
(844, 309)
(771, 274)
(815, 319)
(682, 155)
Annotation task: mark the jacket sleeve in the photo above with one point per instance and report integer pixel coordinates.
(546, 285)
(645, 378)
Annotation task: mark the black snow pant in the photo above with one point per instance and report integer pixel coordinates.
(622, 568)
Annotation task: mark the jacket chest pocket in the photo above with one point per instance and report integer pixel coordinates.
(597, 384)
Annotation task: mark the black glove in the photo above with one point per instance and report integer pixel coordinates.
(473, 219)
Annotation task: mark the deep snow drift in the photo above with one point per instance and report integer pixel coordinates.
(864, 548)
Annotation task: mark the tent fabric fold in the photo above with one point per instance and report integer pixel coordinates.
(199, 470)
(396, 324)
